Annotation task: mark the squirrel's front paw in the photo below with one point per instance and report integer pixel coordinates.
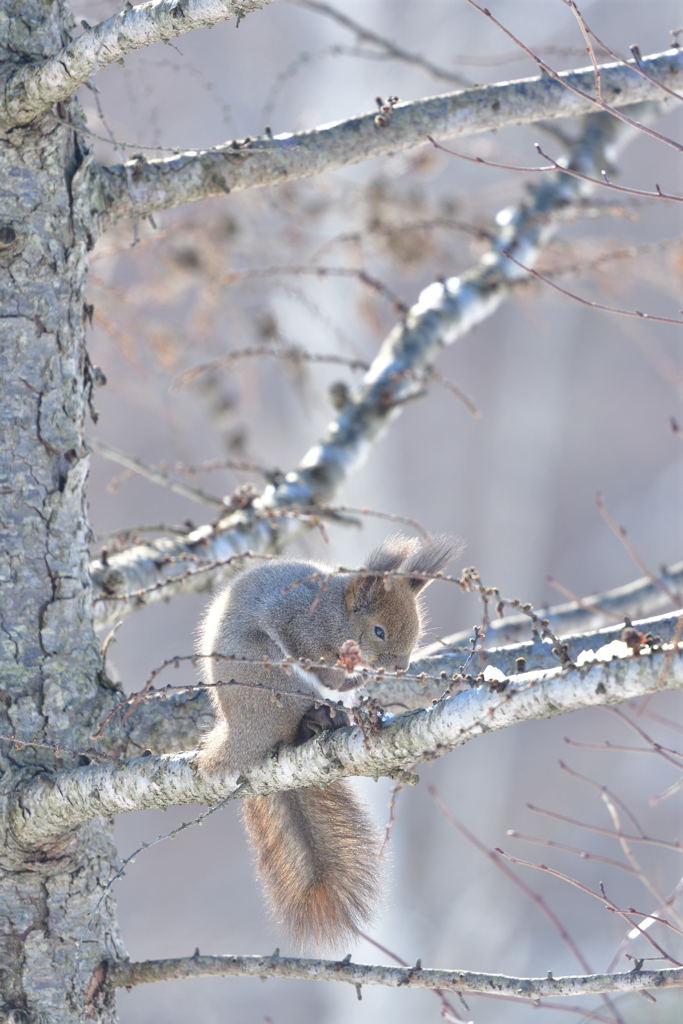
(318, 718)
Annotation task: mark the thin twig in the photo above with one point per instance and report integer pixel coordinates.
(157, 476)
(365, 34)
(637, 314)
(574, 88)
(621, 534)
(554, 165)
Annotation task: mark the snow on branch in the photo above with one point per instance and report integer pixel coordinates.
(444, 312)
(268, 160)
(125, 974)
(443, 663)
(635, 599)
(31, 89)
(49, 806)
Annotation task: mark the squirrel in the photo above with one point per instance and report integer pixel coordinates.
(316, 849)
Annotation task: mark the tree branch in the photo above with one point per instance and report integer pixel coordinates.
(157, 476)
(46, 807)
(125, 974)
(441, 662)
(637, 598)
(394, 52)
(170, 719)
(444, 312)
(164, 720)
(31, 89)
(232, 167)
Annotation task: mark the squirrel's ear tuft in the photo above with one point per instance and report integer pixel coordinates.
(393, 552)
(406, 555)
(429, 559)
(362, 591)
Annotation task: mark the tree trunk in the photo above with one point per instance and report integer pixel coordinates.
(53, 934)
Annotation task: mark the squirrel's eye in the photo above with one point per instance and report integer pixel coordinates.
(379, 632)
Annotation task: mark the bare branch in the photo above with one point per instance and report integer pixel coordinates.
(583, 28)
(665, 844)
(157, 476)
(47, 807)
(621, 533)
(554, 165)
(268, 160)
(125, 974)
(599, 896)
(171, 718)
(446, 660)
(599, 98)
(635, 50)
(165, 720)
(635, 599)
(444, 312)
(635, 313)
(31, 89)
(366, 35)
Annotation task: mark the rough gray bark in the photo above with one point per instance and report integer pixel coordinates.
(52, 682)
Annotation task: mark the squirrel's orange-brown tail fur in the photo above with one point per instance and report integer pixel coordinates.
(317, 854)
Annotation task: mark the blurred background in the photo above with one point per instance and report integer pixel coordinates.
(569, 401)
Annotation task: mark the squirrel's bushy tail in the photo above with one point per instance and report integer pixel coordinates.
(317, 854)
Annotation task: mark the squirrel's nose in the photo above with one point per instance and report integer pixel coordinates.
(401, 665)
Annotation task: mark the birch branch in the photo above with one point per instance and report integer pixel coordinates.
(47, 807)
(166, 720)
(234, 166)
(125, 974)
(444, 312)
(437, 666)
(638, 598)
(30, 89)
